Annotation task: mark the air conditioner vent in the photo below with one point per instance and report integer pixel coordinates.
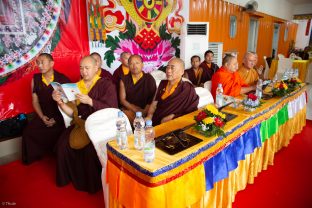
(196, 29)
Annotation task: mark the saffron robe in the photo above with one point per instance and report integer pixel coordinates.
(192, 77)
(231, 82)
(142, 92)
(82, 167)
(208, 71)
(250, 76)
(39, 139)
(182, 101)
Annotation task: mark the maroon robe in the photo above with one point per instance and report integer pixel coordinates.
(82, 167)
(191, 76)
(106, 74)
(208, 72)
(182, 101)
(39, 139)
(117, 75)
(141, 93)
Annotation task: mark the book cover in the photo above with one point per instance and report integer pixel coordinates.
(68, 90)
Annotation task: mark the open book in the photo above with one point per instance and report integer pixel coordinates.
(68, 90)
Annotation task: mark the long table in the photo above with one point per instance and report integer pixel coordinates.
(210, 173)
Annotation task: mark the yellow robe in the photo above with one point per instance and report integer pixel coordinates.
(250, 76)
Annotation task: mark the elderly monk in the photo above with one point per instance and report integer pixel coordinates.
(174, 97)
(247, 71)
(209, 68)
(101, 72)
(81, 165)
(195, 73)
(137, 89)
(41, 134)
(228, 76)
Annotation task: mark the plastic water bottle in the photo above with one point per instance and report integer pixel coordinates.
(296, 73)
(259, 89)
(139, 133)
(149, 146)
(121, 133)
(219, 96)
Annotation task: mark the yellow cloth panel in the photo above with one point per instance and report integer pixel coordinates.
(185, 190)
(302, 66)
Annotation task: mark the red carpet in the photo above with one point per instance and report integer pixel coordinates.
(287, 184)
(34, 186)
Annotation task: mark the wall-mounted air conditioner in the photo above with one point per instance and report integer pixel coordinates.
(194, 41)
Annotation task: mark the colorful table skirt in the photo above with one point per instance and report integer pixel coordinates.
(210, 173)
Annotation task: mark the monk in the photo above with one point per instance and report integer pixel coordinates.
(41, 134)
(228, 76)
(209, 68)
(82, 166)
(137, 89)
(123, 69)
(247, 71)
(101, 72)
(174, 97)
(194, 74)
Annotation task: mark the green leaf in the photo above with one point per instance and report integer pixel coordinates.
(131, 30)
(109, 57)
(177, 53)
(175, 42)
(111, 42)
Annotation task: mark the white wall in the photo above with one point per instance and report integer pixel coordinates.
(303, 9)
(302, 40)
(277, 8)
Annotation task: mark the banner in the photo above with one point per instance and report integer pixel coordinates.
(28, 28)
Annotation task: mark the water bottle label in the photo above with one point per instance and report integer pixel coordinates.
(124, 140)
(149, 152)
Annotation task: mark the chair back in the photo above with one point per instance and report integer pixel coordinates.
(158, 75)
(283, 64)
(266, 69)
(207, 85)
(101, 128)
(205, 96)
(66, 118)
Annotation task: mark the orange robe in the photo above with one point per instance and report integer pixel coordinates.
(250, 76)
(231, 82)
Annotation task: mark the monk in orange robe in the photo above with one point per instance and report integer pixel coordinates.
(247, 71)
(227, 75)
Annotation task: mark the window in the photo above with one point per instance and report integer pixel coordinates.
(286, 33)
(233, 26)
(253, 34)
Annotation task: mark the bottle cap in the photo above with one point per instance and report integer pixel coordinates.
(220, 85)
(138, 114)
(149, 123)
(120, 114)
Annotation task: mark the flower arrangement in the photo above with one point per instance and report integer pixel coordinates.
(210, 121)
(251, 102)
(293, 83)
(280, 89)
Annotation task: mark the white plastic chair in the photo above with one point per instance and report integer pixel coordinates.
(100, 127)
(267, 68)
(283, 64)
(207, 85)
(66, 118)
(158, 76)
(205, 96)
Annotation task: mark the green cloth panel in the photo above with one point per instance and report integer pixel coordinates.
(270, 127)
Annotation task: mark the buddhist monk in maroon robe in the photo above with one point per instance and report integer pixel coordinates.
(174, 97)
(42, 133)
(227, 75)
(209, 68)
(123, 69)
(137, 89)
(101, 72)
(82, 166)
(195, 73)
